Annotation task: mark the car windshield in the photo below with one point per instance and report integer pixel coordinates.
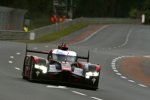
(60, 57)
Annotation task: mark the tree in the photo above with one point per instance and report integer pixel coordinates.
(39, 7)
(146, 10)
(102, 8)
(85, 8)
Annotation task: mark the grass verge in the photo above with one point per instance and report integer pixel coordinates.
(57, 35)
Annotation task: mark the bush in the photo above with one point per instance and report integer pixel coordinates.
(147, 17)
(133, 13)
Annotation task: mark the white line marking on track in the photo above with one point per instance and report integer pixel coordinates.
(10, 62)
(126, 40)
(62, 87)
(115, 71)
(79, 93)
(123, 77)
(11, 57)
(96, 98)
(18, 53)
(56, 87)
(113, 65)
(17, 68)
(147, 56)
(131, 81)
(100, 29)
(119, 74)
(142, 85)
(51, 86)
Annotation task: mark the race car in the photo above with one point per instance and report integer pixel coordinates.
(61, 66)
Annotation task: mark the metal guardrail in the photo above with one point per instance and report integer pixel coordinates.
(13, 35)
(19, 35)
(111, 20)
(53, 28)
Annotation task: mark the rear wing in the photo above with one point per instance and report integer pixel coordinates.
(34, 51)
(87, 58)
(41, 52)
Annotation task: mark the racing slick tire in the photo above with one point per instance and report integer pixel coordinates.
(23, 72)
(32, 70)
(95, 86)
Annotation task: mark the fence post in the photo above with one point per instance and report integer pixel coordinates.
(143, 18)
(32, 36)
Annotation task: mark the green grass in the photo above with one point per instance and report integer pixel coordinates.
(57, 35)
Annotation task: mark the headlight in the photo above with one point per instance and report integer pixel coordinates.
(88, 74)
(95, 73)
(41, 67)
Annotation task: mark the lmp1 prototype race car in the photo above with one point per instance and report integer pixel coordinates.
(61, 66)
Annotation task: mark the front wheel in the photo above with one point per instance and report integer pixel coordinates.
(96, 84)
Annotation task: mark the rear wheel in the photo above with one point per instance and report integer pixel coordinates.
(23, 72)
(32, 70)
(23, 75)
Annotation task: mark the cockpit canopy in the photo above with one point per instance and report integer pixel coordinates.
(61, 55)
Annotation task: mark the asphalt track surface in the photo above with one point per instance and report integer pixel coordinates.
(106, 47)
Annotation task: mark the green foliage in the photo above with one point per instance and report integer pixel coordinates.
(23, 4)
(83, 8)
(39, 8)
(34, 7)
(146, 8)
(133, 13)
(103, 8)
(39, 22)
(146, 5)
(147, 17)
